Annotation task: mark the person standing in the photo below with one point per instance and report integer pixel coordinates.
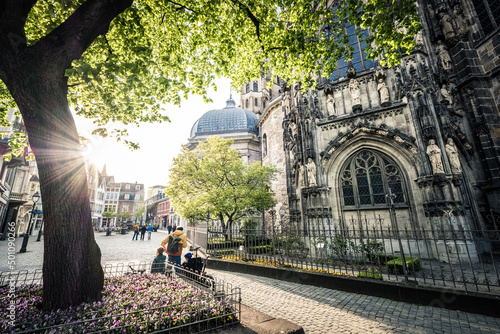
(177, 242)
(143, 232)
(169, 228)
(136, 232)
(174, 228)
(149, 229)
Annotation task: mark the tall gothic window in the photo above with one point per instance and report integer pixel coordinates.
(359, 61)
(488, 13)
(255, 87)
(366, 179)
(248, 88)
(264, 145)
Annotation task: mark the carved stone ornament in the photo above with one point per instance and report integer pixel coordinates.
(434, 153)
(461, 21)
(446, 25)
(452, 152)
(355, 93)
(330, 105)
(444, 56)
(311, 172)
(447, 98)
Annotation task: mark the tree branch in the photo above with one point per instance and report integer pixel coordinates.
(70, 40)
(13, 15)
(254, 20)
(181, 7)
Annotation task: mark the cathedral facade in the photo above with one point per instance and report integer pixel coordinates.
(419, 141)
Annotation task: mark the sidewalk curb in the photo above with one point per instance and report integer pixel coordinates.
(253, 321)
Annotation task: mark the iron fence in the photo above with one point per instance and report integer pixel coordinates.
(205, 314)
(454, 258)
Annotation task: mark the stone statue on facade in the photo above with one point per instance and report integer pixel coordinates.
(446, 95)
(452, 152)
(463, 29)
(434, 153)
(300, 175)
(293, 129)
(355, 93)
(446, 26)
(444, 56)
(286, 102)
(330, 105)
(383, 92)
(311, 172)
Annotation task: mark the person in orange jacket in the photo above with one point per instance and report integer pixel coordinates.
(175, 256)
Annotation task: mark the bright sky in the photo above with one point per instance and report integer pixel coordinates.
(159, 142)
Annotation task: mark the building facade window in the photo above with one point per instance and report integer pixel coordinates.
(127, 186)
(255, 87)
(366, 178)
(359, 61)
(264, 145)
(488, 13)
(137, 187)
(256, 102)
(127, 196)
(247, 90)
(246, 103)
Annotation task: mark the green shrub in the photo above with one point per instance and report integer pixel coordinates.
(259, 249)
(220, 252)
(382, 258)
(370, 273)
(396, 266)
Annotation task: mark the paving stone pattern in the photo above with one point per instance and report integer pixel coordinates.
(320, 310)
(317, 310)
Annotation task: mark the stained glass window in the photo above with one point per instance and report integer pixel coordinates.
(366, 178)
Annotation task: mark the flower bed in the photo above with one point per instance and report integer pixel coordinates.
(287, 265)
(130, 304)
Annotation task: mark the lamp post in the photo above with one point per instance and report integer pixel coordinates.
(272, 212)
(40, 232)
(391, 197)
(35, 198)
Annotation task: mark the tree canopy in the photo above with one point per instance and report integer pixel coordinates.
(122, 61)
(214, 177)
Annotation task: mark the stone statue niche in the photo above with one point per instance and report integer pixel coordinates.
(382, 88)
(434, 153)
(444, 56)
(355, 95)
(452, 152)
(311, 172)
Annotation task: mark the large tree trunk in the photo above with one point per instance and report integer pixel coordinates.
(72, 273)
(34, 75)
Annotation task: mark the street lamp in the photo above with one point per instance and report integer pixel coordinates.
(35, 198)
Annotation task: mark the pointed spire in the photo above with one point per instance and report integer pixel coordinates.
(230, 103)
(103, 172)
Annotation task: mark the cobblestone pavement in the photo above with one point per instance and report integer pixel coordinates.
(320, 310)
(317, 310)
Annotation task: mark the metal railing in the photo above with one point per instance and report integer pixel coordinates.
(198, 314)
(454, 258)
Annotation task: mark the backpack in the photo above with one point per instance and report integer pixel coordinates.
(173, 244)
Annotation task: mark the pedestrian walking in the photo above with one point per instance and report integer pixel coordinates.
(174, 244)
(149, 229)
(136, 232)
(169, 228)
(143, 232)
(174, 228)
